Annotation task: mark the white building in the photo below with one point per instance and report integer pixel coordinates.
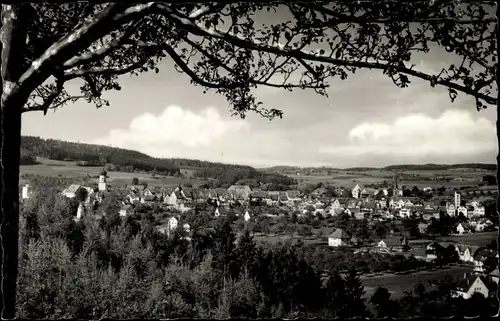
(356, 191)
(102, 181)
(472, 284)
(405, 212)
(25, 193)
(479, 210)
(247, 216)
(172, 224)
(451, 209)
(338, 238)
(80, 212)
(462, 209)
(70, 192)
(457, 200)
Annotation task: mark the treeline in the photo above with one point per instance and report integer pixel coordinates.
(119, 159)
(431, 167)
(95, 155)
(232, 174)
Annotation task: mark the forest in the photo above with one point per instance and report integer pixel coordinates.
(119, 159)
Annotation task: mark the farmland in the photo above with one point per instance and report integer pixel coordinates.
(55, 168)
(455, 178)
(397, 284)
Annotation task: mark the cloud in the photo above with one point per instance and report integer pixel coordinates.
(174, 127)
(453, 133)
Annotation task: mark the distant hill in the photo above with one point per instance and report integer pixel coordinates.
(126, 160)
(409, 167)
(427, 167)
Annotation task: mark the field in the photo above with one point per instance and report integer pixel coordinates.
(397, 284)
(421, 178)
(475, 239)
(71, 170)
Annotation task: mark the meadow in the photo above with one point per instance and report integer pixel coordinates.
(398, 284)
(55, 168)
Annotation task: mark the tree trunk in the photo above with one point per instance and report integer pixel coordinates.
(13, 44)
(10, 128)
(498, 114)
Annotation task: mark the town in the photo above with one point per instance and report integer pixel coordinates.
(405, 222)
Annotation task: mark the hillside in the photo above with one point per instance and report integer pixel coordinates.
(125, 160)
(404, 167)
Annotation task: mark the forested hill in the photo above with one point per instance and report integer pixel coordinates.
(129, 160)
(428, 167)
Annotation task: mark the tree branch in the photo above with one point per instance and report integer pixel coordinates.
(100, 53)
(422, 17)
(45, 107)
(103, 70)
(300, 54)
(80, 39)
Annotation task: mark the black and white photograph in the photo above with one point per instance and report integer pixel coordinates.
(249, 159)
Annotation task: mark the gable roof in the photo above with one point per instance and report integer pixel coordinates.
(465, 284)
(293, 193)
(339, 234)
(394, 241)
(72, 188)
(137, 187)
(483, 253)
(259, 194)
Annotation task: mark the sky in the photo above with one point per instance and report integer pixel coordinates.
(365, 121)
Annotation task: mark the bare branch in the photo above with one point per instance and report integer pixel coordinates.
(197, 29)
(45, 107)
(68, 75)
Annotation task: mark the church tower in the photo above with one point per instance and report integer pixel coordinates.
(102, 181)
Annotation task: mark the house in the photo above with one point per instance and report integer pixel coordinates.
(358, 215)
(465, 253)
(80, 212)
(26, 191)
(356, 192)
(451, 210)
(136, 188)
(319, 192)
(404, 212)
(481, 257)
(393, 244)
(365, 192)
(463, 210)
(422, 227)
(216, 212)
(336, 205)
(186, 227)
(339, 237)
(240, 191)
(478, 211)
(148, 198)
(431, 251)
(134, 197)
(70, 192)
(246, 217)
(352, 211)
(460, 229)
(472, 284)
(172, 223)
(294, 194)
(493, 275)
(125, 210)
(258, 195)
